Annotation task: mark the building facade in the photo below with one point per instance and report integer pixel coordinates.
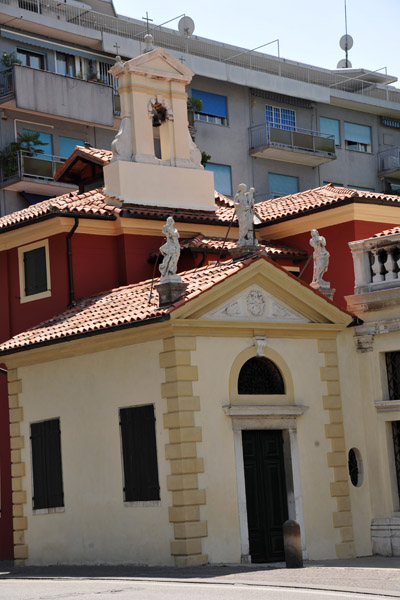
(281, 126)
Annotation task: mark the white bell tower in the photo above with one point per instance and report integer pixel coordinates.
(155, 160)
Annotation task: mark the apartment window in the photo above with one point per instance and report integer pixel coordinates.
(34, 271)
(282, 185)
(222, 178)
(46, 465)
(393, 374)
(47, 144)
(280, 118)
(357, 137)
(66, 64)
(362, 189)
(35, 60)
(214, 108)
(67, 145)
(139, 451)
(330, 127)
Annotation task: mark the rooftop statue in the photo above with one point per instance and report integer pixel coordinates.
(321, 260)
(244, 207)
(170, 251)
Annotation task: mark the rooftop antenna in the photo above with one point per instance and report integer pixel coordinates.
(346, 43)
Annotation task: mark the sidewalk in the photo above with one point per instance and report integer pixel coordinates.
(373, 575)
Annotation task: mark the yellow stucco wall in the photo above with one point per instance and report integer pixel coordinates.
(214, 358)
(85, 393)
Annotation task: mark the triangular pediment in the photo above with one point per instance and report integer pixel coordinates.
(255, 304)
(261, 292)
(158, 61)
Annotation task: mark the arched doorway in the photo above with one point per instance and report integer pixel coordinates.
(264, 466)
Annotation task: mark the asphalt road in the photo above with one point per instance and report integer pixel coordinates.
(90, 589)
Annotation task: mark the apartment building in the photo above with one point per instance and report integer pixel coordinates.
(276, 124)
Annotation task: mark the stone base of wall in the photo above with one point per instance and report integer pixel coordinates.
(385, 535)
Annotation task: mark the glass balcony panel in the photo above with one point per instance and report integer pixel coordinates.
(302, 140)
(324, 144)
(280, 136)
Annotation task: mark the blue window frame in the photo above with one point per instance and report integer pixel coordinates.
(330, 127)
(214, 107)
(67, 145)
(222, 178)
(282, 185)
(281, 118)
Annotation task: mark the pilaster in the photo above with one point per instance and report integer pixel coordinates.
(337, 458)
(182, 451)
(19, 498)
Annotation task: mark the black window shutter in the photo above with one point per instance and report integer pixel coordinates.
(35, 271)
(139, 453)
(46, 464)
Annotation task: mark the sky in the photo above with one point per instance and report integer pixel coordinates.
(308, 30)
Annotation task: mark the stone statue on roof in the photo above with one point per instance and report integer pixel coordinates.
(321, 260)
(244, 207)
(171, 251)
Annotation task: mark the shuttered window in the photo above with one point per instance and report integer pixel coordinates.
(139, 451)
(35, 271)
(46, 464)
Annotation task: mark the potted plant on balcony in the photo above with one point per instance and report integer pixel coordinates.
(7, 61)
(28, 142)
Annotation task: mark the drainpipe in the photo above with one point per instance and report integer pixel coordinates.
(69, 258)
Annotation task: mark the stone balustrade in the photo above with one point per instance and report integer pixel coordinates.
(376, 263)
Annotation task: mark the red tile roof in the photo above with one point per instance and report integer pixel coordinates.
(88, 203)
(216, 244)
(97, 204)
(101, 156)
(386, 232)
(117, 307)
(317, 199)
(126, 306)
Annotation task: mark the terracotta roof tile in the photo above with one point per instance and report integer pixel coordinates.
(93, 202)
(127, 305)
(117, 307)
(103, 156)
(386, 232)
(316, 199)
(98, 204)
(216, 244)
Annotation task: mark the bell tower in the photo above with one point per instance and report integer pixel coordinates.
(155, 160)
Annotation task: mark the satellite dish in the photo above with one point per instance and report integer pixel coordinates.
(346, 42)
(344, 64)
(186, 26)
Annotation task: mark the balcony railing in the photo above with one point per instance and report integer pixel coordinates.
(301, 146)
(27, 165)
(6, 84)
(389, 162)
(376, 263)
(270, 133)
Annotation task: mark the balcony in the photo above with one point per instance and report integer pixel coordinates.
(34, 173)
(377, 276)
(299, 146)
(58, 95)
(389, 163)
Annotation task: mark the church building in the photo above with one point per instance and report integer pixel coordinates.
(181, 419)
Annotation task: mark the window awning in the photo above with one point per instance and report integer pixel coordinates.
(357, 133)
(213, 104)
(29, 40)
(34, 198)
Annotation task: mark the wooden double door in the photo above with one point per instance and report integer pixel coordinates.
(266, 496)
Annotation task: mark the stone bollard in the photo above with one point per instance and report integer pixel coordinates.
(292, 544)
